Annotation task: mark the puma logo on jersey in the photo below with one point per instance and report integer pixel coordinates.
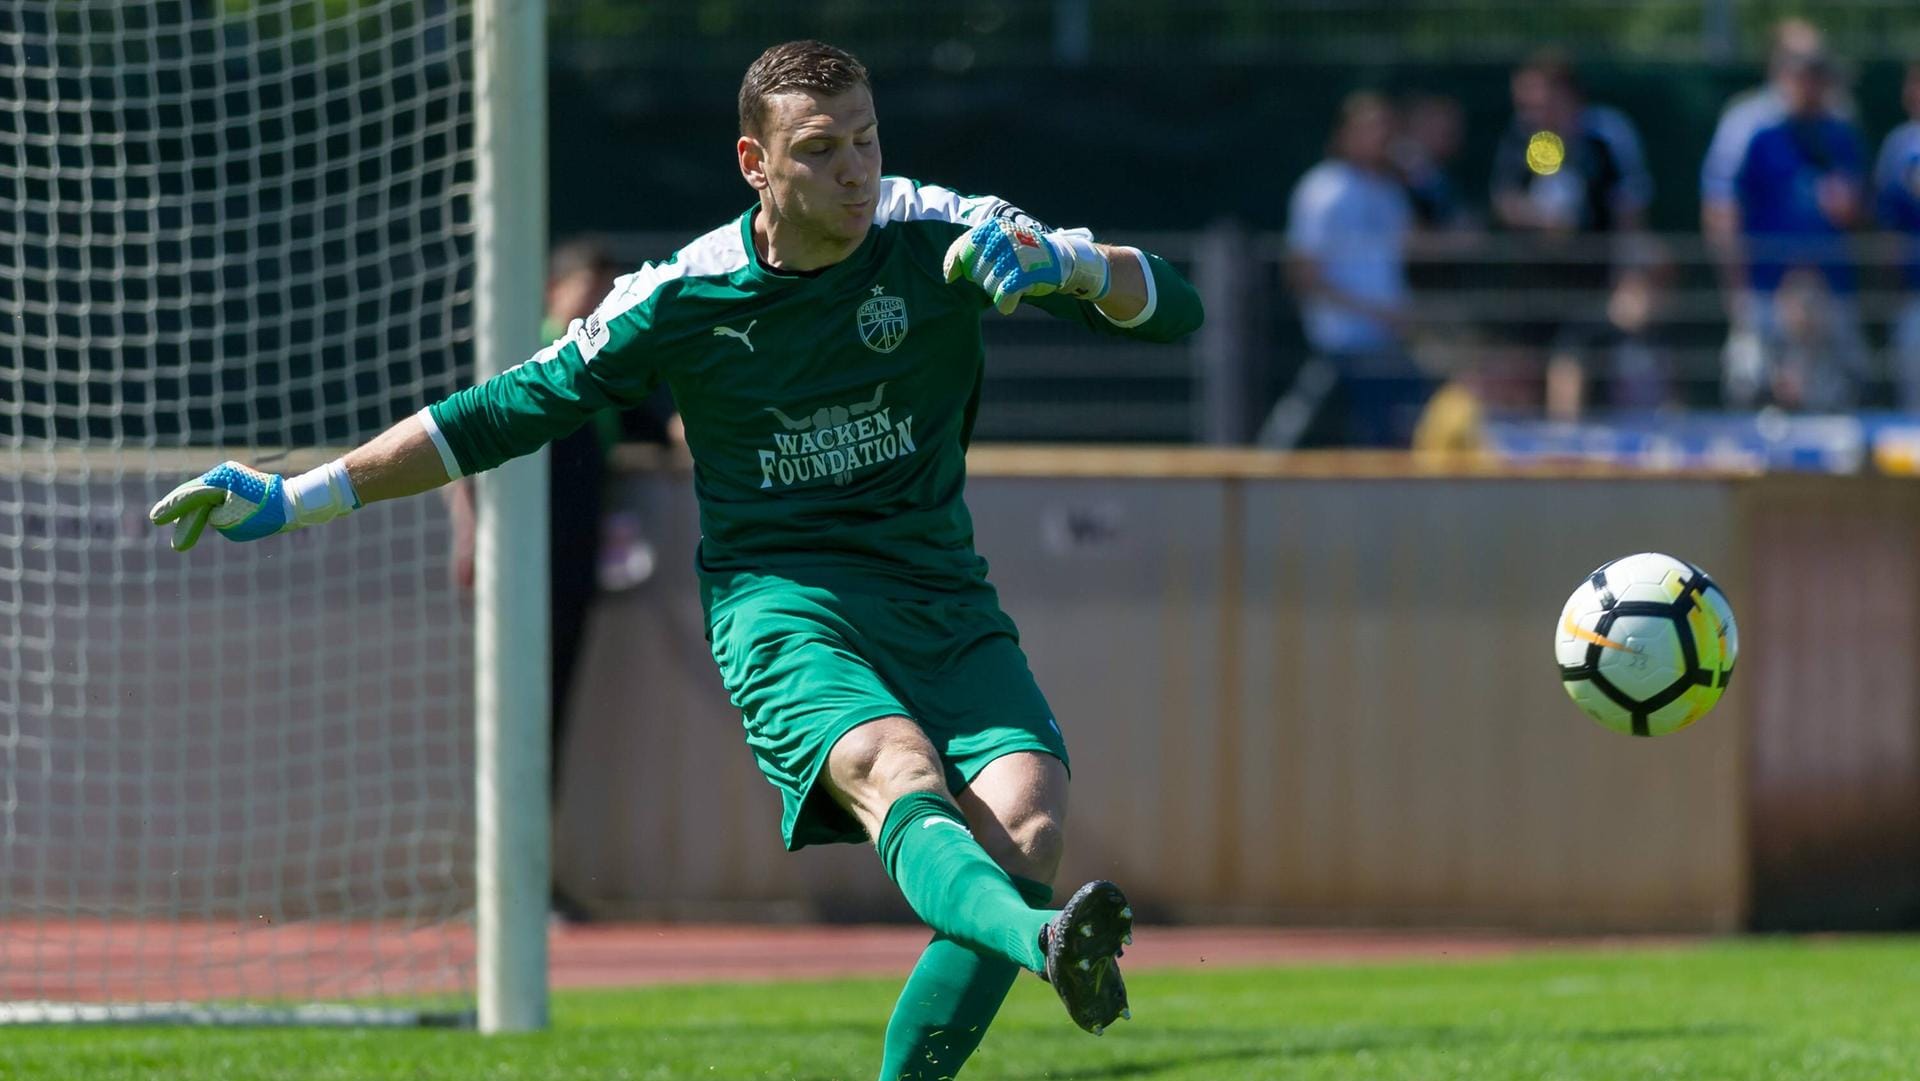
(932, 822)
(729, 332)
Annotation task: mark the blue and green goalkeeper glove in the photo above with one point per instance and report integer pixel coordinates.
(245, 504)
(1011, 260)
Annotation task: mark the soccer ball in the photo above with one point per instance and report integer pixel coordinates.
(1646, 645)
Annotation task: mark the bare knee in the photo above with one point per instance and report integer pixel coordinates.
(877, 763)
(1029, 845)
(1017, 807)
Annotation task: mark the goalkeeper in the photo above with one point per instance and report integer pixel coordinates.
(824, 351)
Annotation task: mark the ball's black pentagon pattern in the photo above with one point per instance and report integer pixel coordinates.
(1641, 708)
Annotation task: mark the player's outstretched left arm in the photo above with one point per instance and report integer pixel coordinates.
(1066, 273)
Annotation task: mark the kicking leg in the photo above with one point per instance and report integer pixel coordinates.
(887, 775)
(1016, 808)
(1022, 811)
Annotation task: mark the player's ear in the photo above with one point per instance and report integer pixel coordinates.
(753, 161)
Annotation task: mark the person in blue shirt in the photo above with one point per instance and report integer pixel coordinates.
(1896, 186)
(1781, 188)
(1348, 221)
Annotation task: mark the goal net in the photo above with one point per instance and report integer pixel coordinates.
(235, 783)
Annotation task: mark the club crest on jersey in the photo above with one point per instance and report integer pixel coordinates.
(882, 321)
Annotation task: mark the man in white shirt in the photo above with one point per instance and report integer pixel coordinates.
(1347, 227)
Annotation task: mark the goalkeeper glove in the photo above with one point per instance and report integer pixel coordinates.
(1010, 261)
(245, 504)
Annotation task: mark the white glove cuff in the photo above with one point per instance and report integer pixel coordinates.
(322, 494)
(1090, 276)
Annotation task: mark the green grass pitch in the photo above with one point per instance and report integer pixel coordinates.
(1732, 1011)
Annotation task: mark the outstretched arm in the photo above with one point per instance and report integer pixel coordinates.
(514, 413)
(399, 462)
(243, 503)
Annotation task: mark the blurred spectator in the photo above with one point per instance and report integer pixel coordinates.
(1431, 131)
(1749, 108)
(1569, 182)
(1638, 377)
(1896, 182)
(1808, 332)
(1453, 425)
(579, 273)
(1347, 229)
(1780, 188)
(1591, 177)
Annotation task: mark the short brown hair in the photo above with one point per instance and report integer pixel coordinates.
(795, 65)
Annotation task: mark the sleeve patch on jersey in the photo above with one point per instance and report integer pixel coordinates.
(592, 335)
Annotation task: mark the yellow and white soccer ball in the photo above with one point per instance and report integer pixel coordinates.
(1646, 644)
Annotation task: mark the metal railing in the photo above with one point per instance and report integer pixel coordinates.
(1483, 305)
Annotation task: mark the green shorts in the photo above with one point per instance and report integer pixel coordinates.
(805, 664)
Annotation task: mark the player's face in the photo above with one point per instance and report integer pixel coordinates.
(820, 159)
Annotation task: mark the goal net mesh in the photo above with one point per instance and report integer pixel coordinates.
(235, 783)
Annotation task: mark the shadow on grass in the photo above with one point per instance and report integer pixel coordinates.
(1279, 1049)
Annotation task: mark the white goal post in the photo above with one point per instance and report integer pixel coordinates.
(266, 783)
(513, 626)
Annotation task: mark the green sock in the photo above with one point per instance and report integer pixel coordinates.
(954, 885)
(947, 1004)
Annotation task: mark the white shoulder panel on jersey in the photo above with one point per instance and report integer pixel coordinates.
(717, 253)
(901, 199)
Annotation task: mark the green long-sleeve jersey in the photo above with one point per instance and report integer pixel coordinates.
(828, 413)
